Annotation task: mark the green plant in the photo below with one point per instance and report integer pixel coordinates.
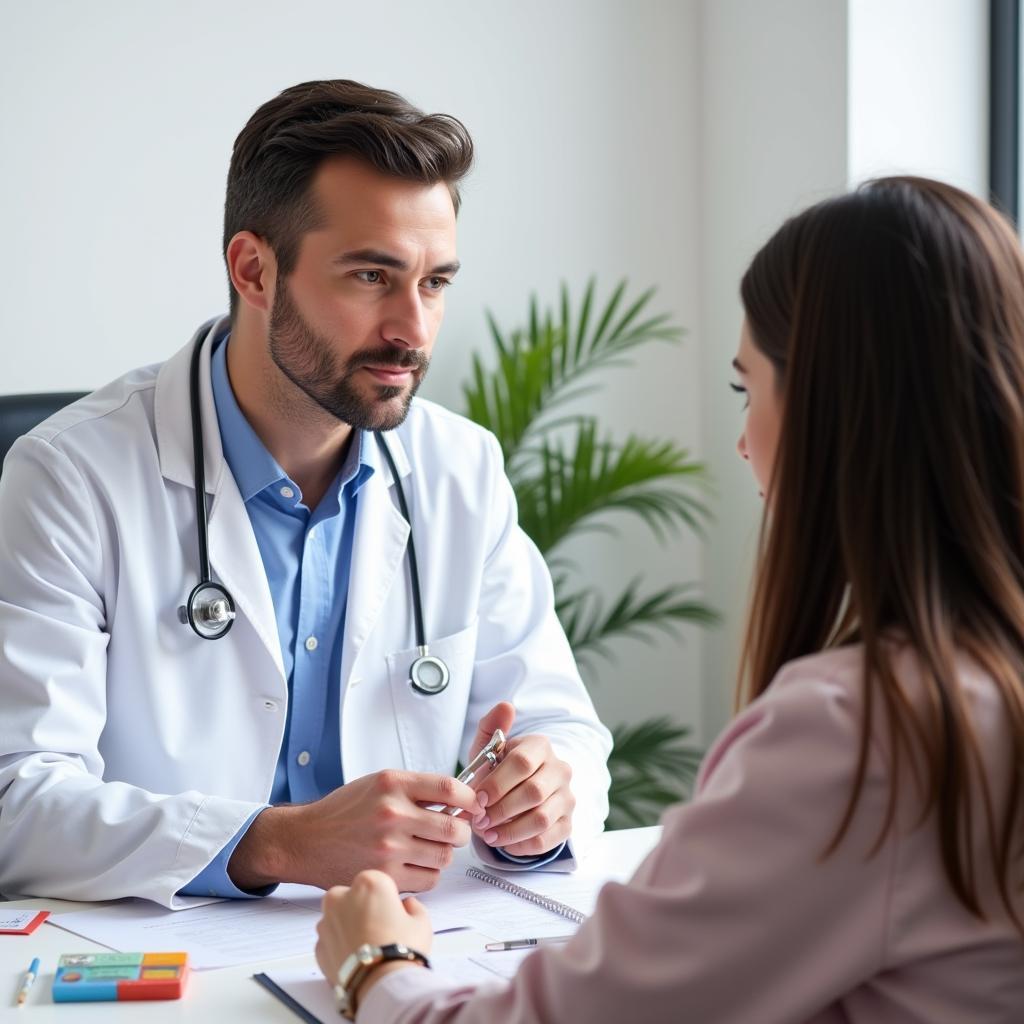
(568, 477)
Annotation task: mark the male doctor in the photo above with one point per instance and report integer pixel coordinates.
(138, 758)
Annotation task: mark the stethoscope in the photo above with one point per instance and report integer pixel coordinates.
(210, 608)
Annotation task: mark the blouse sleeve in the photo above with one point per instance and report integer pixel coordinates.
(737, 915)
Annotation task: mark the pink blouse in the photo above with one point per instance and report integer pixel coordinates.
(735, 917)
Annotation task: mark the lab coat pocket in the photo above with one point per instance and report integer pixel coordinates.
(430, 726)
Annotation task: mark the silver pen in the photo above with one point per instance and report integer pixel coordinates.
(501, 947)
(487, 758)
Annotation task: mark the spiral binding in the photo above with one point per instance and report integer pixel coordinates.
(562, 909)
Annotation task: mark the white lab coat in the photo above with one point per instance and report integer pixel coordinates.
(131, 750)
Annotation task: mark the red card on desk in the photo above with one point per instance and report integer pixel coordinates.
(21, 922)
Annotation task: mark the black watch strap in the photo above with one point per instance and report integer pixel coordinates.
(396, 951)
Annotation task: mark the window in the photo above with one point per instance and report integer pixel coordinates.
(1004, 168)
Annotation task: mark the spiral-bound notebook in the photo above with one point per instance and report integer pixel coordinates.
(536, 898)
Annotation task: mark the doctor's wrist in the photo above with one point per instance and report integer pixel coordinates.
(261, 856)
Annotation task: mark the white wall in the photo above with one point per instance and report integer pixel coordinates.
(772, 140)
(918, 90)
(118, 118)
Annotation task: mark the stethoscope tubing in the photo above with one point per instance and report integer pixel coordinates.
(414, 572)
(198, 460)
(209, 609)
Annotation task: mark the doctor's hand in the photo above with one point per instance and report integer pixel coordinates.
(371, 911)
(525, 801)
(373, 822)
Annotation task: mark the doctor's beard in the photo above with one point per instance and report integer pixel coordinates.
(306, 359)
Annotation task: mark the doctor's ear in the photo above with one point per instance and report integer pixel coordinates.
(253, 269)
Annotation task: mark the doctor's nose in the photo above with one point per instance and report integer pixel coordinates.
(741, 446)
(407, 323)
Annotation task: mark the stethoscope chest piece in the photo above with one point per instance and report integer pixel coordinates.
(428, 675)
(209, 610)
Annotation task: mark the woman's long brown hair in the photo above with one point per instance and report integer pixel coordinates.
(894, 317)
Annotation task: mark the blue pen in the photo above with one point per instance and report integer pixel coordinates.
(30, 977)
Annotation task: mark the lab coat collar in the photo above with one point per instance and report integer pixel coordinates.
(172, 413)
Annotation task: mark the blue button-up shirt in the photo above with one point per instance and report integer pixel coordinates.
(306, 555)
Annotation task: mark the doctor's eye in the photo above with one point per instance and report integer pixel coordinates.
(740, 390)
(370, 276)
(437, 284)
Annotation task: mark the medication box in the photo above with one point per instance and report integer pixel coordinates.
(91, 977)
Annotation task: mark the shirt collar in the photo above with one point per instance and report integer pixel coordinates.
(252, 466)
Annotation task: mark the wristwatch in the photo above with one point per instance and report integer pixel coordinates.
(359, 965)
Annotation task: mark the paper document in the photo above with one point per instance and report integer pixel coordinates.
(503, 964)
(219, 934)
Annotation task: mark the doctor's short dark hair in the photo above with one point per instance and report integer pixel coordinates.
(278, 152)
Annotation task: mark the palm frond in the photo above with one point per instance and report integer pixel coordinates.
(589, 627)
(539, 369)
(570, 484)
(651, 766)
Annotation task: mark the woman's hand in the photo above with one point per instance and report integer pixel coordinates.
(369, 911)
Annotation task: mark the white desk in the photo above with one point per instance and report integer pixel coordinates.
(228, 994)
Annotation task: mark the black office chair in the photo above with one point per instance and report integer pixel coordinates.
(20, 413)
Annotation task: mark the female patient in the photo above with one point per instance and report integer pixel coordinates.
(854, 849)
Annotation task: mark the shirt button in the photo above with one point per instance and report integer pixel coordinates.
(303, 759)
(287, 492)
(311, 643)
(270, 705)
